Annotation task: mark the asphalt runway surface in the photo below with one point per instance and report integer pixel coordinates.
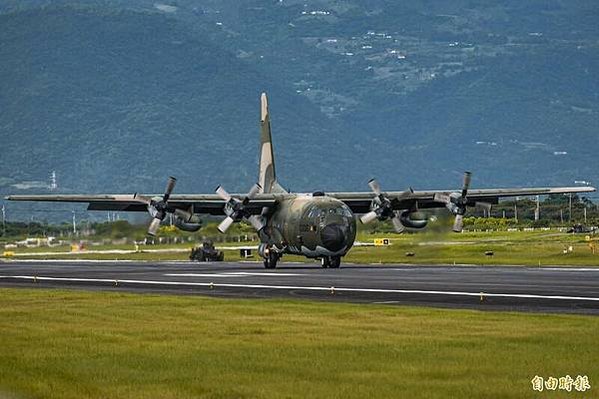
(543, 289)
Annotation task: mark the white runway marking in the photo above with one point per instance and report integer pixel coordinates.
(571, 269)
(306, 288)
(230, 274)
(71, 261)
(271, 274)
(199, 275)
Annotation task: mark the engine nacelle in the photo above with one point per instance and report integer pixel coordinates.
(405, 219)
(186, 221)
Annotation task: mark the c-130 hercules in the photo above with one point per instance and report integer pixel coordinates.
(318, 225)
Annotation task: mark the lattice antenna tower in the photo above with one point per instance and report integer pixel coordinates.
(53, 183)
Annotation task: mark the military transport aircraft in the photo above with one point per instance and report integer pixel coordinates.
(317, 225)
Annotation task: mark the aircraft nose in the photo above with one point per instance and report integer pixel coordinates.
(333, 237)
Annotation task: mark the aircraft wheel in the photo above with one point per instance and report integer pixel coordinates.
(270, 262)
(325, 262)
(335, 262)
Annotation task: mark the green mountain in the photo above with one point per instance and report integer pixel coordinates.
(117, 95)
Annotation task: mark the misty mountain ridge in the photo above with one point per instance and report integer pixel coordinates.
(115, 96)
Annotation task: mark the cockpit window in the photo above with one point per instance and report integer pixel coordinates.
(343, 211)
(338, 210)
(314, 212)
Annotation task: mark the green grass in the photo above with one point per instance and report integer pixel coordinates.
(511, 248)
(70, 344)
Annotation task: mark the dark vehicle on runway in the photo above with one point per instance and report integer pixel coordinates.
(206, 253)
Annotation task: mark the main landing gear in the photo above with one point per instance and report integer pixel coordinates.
(270, 259)
(330, 261)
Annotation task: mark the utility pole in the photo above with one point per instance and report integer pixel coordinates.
(74, 224)
(537, 210)
(570, 209)
(585, 214)
(561, 215)
(3, 220)
(516, 211)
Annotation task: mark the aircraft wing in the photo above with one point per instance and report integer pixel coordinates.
(210, 204)
(359, 202)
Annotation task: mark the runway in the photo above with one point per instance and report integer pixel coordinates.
(545, 289)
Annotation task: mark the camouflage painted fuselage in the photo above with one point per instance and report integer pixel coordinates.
(311, 225)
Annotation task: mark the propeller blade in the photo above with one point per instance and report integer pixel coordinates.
(397, 225)
(225, 224)
(141, 198)
(223, 193)
(442, 197)
(483, 205)
(257, 222)
(170, 185)
(154, 226)
(368, 217)
(405, 194)
(458, 223)
(375, 186)
(466, 186)
(256, 188)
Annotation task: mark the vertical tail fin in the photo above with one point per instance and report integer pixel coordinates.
(268, 177)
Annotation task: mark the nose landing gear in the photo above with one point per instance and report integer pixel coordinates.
(270, 262)
(332, 262)
(270, 255)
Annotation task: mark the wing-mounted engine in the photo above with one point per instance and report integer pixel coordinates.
(405, 217)
(236, 209)
(159, 207)
(187, 220)
(381, 209)
(456, 203)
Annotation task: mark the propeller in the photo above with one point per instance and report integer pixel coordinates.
(236, 210)
(458, 223)
(456, 202)
(382, 209)
(158, 207)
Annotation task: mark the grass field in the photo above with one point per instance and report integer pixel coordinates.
(70, 344)
(529, 248)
